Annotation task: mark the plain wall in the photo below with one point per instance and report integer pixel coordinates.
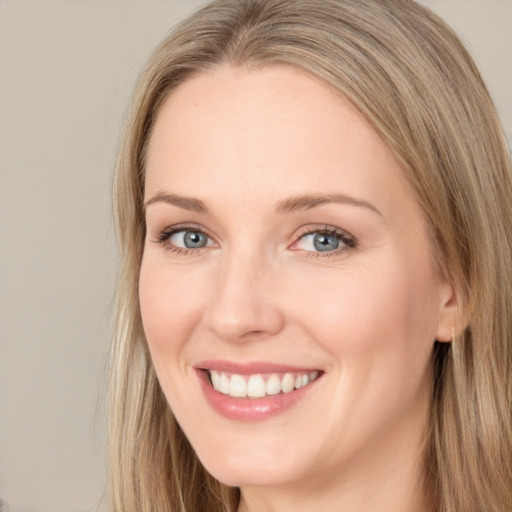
(66, 72)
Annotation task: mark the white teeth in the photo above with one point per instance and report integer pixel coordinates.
(255, 386)
(237, 387)
(215, 379)
(273, 385)
(224, 386)
(288, 383)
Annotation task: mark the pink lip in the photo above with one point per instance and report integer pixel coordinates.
(249, 368)
(249, 409)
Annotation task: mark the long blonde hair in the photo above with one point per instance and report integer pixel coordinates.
(410, 76)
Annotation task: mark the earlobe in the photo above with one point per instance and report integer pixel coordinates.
(445, 336)
(451, 317)
(446, 330)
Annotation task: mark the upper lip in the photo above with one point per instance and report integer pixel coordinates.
(250, 368)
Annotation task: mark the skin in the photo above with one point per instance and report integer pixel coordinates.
(367, 315)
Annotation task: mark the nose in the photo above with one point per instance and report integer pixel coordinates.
(244, 306)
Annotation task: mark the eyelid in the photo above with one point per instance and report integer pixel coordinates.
(174, 228)
(322, 228)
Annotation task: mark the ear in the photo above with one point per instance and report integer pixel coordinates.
(451, 316)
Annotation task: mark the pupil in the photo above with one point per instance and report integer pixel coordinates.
(193, 240)
(325, 242)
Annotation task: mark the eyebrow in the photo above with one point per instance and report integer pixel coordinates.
(292, 204)
(187, 203)
(306, 202)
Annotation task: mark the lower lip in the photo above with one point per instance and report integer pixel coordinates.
(250, 409)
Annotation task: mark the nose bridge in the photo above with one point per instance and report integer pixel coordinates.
(244, 303)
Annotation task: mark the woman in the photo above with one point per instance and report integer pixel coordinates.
(313, 208)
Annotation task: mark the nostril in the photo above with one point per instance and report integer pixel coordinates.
(255, 334)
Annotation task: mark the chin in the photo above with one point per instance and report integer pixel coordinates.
(250, 473)
(253, 463)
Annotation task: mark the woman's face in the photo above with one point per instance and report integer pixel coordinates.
(286, 259)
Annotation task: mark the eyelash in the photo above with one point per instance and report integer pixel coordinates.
(348, 241)
(167, 233)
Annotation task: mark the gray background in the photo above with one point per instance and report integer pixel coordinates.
(66, 72)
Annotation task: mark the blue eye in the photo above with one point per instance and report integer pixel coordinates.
(323, 242)
(326, 240)
(189, 239)
(181, 239)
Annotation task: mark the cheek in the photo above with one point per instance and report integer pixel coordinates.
(378, 325)
(170, 308)
(386, 309)
(170, 311)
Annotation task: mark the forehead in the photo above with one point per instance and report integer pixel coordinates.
(275, 130)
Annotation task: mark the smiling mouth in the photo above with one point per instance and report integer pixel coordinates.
(260, 385)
